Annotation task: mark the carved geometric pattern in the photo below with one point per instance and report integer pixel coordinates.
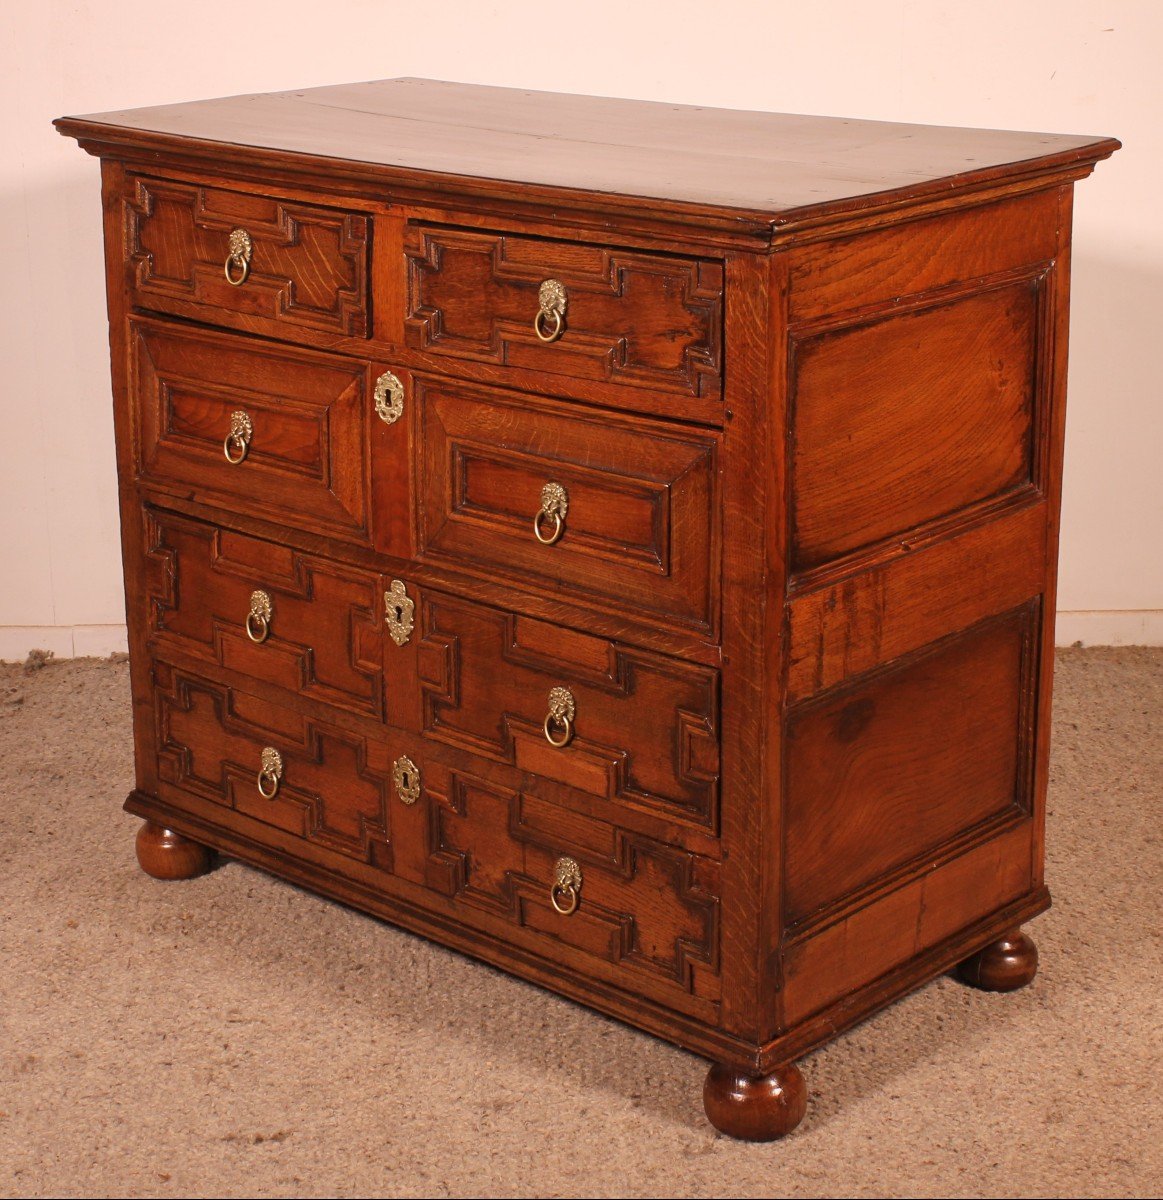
(309, 265)
(649, 321)
(643, 903)
(643, 517)
(324, 641)
(335, 785)
(646, 729)
(305, 460)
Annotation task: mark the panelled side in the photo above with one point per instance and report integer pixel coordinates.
(923, 463)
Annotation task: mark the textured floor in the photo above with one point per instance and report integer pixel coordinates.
(234, 1036)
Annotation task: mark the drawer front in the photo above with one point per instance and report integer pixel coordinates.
(638, 912)
(299, 623)
(633, 729)
(295, 452)
(330, 787)
(618, 512)
(294, 266)
(642, 321)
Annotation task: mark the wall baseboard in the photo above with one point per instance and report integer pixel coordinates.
(64, 641)
(1109, 627)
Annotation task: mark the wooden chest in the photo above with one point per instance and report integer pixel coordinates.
(615, 540)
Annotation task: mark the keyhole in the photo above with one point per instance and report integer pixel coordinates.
(405, 782)
(399, 614)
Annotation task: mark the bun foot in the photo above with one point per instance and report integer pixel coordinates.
(755, 1108)
(165, 854)
(1002, 966)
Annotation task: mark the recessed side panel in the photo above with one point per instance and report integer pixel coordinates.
(906, 419)
(908, 764)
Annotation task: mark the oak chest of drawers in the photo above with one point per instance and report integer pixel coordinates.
(612, 539)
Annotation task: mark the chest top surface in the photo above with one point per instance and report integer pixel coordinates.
(770, 168)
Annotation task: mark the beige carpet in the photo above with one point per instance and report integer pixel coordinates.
(233, 1036)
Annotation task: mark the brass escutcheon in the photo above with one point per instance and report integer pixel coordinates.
(241, 248)
(567, 882)
(389, 398)
(406, 777)
(561, 713)
(399, 609)
(271, 773)
(554, 506)
(258, 620)
(238, 439)
(552, 299)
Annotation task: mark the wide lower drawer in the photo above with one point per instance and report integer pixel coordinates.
(254, 262)
(255, 427)
(635, 730)
(607, 902)
(611, 511)
(308, 626)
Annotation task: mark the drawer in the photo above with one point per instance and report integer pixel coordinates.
(618, 513)
(304, 776)
(261, 429)
(637, 912)
(632, 730)
(296, 622)
(252, 262)
(646, 322)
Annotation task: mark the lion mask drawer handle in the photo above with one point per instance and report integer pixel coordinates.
(270, 774)
(554, 506)
(552, 299)
(258, 619)
(562, 710)
(238, 259)
(566, 890)
(236, 445)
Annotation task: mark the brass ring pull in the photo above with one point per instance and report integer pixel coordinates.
(552, 299)
(270, 774)
(554, 506)
(238, 439)
(566, 891)
(562, 710)
(258, 619)
(237, 266)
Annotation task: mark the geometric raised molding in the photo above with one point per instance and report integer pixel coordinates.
(646, 733)
(648, 321)
(309, 266)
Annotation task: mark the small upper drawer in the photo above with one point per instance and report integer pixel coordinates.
(251, 262)
(649, 322)
(611, 511)
(265, 430)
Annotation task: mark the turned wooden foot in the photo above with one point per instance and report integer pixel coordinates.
(755, 1108)
(165, 854)
(1002, 966)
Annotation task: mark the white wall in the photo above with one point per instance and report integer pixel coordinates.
(1085, 66)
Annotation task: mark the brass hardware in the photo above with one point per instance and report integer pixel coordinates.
(551, 297)
(561, 712)
(567, 881)
(241, 431)
(271, 772)
(399, 613)
(389, 398)
(258, 620)
(241, 248)
(554, 506)
(406, 777)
